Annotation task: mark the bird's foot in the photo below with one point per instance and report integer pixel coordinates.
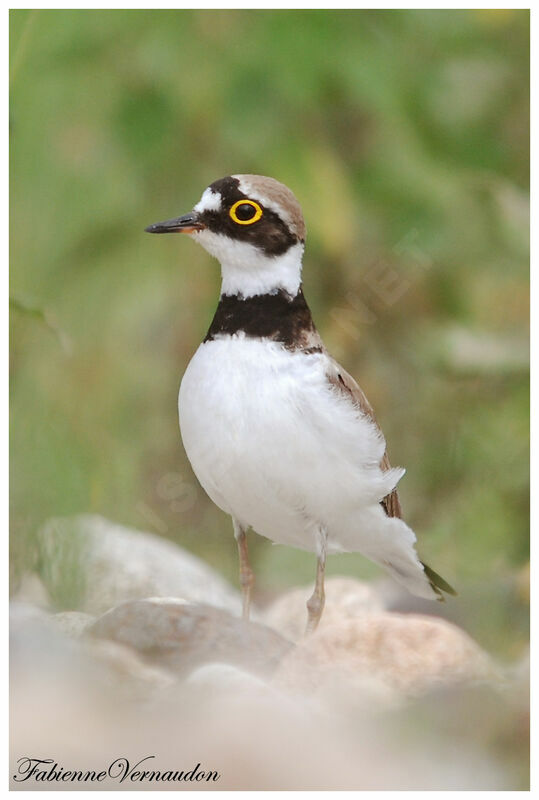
(315, 606)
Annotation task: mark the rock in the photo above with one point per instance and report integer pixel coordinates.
(40, 651)
(31, 590)
(409, 654)
(22, 613)
(219, 678)
(87, 702)
(56, 646)
(73, 623)
(109, 564)
(181, 636)
(345, 598)
(127, 668)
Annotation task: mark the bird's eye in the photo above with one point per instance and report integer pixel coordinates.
(245, 212)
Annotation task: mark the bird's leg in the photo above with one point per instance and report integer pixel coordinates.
(247, 577)
(315, 603)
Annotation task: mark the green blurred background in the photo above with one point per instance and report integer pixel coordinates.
(405, 136)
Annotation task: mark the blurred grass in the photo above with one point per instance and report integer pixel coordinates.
(405, 136)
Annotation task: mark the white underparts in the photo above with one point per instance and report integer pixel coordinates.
(281, 451)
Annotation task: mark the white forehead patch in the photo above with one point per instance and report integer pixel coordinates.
(210, 201)
(251, 192)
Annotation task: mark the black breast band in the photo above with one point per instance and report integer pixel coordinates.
(272, 316)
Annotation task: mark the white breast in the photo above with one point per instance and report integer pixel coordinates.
(276, 446)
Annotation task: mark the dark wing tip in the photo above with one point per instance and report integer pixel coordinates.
(438, 583)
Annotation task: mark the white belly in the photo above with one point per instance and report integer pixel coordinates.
(277, 448)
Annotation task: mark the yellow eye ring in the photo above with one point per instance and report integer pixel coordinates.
(254, 218)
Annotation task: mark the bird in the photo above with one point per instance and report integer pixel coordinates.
(278, 434)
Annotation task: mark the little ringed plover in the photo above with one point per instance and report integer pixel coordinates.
(280, 436)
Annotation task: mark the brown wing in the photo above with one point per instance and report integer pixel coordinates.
(346, 384)
(339, 378)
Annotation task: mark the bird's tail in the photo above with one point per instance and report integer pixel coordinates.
(438, 584)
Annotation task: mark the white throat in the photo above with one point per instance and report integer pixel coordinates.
(247, 271)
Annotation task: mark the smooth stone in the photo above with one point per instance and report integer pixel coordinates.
(31, 590)
(117, 564)
(182, 635)
(73, 623)
(345, 598)
(409, 654)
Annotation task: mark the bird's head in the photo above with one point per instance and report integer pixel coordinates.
(254, 226)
